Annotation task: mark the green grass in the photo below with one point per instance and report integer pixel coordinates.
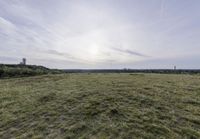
(100, 106)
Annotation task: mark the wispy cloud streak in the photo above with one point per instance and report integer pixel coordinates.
(127, 51)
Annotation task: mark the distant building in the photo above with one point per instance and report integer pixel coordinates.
(174, 67)
(23, 61)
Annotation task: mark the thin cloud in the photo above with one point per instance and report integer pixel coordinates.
(127, 51)
(66, 56)
(54, 52)
(162, 8)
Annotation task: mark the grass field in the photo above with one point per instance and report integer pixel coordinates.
(100, 106)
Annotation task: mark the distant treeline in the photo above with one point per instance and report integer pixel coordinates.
(164, 71)
(7, 70)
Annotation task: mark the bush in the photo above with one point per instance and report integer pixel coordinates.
(23, 70)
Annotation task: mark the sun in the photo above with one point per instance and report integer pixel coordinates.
(93, 51)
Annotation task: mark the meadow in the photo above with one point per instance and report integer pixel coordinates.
(101, 106)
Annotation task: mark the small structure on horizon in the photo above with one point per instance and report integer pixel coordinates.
(23, 61)
(174, 67)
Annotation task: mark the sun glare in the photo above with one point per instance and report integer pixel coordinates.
(93, 51)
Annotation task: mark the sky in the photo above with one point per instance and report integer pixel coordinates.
(101, 34)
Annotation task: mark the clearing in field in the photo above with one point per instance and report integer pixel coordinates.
(100, 106)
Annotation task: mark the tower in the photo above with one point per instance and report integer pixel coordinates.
(174, 67)
(24, 61)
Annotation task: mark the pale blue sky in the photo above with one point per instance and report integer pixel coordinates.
(101, 33)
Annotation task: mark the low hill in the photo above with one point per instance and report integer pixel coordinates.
(7, 70)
